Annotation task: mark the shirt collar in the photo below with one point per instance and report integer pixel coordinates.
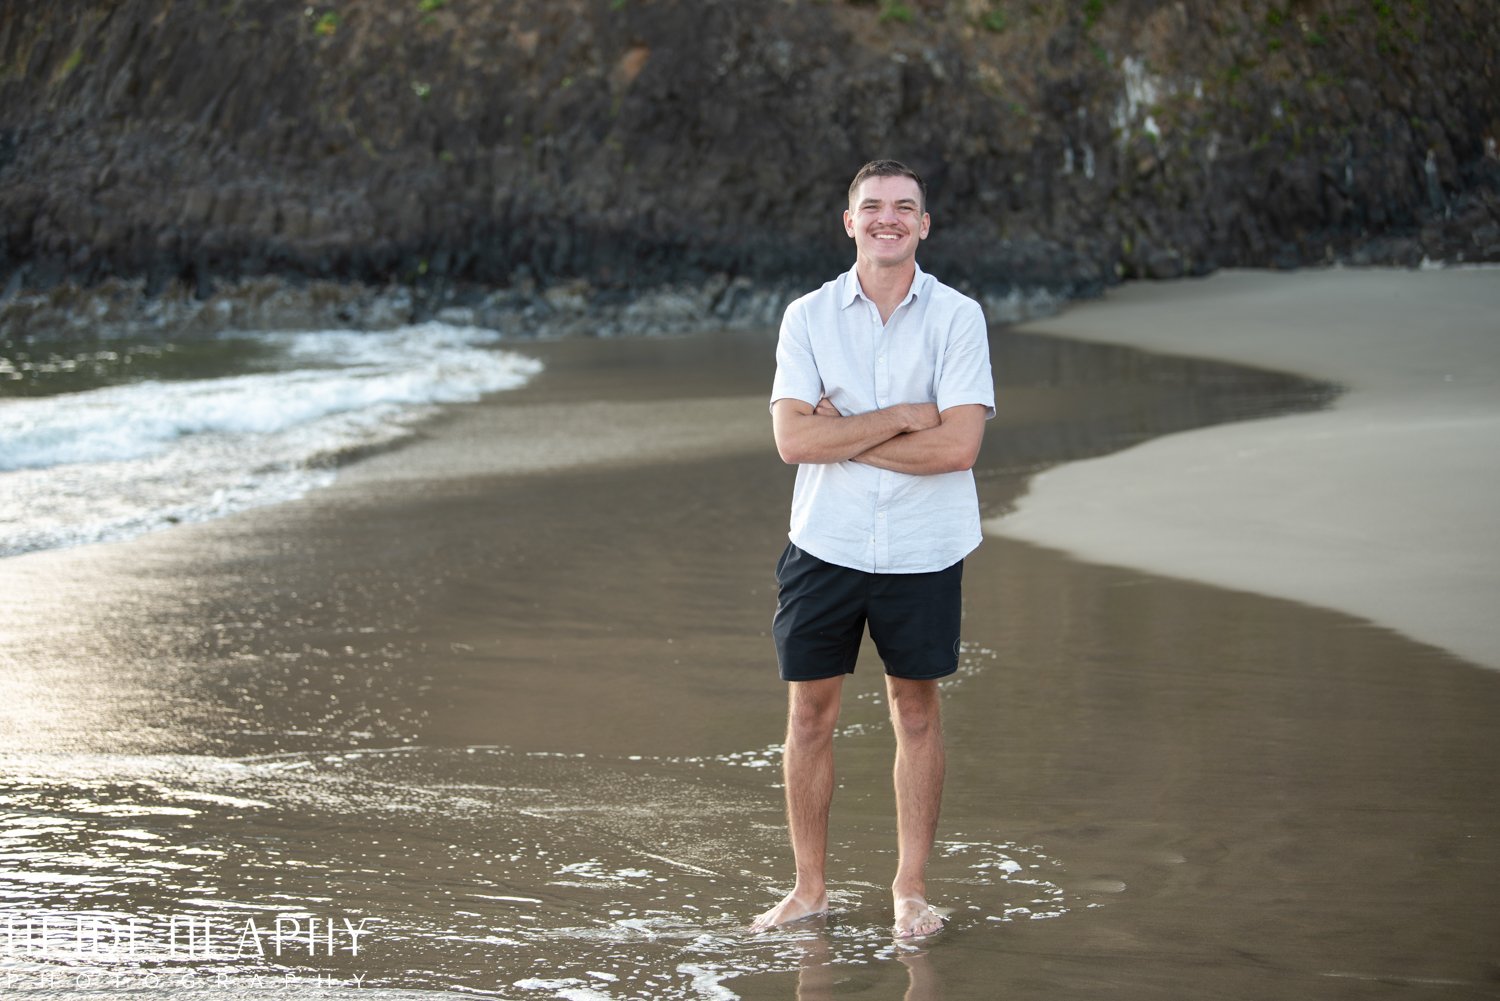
(852, 289)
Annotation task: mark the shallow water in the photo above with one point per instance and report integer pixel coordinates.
(521, 874)
(519, 733)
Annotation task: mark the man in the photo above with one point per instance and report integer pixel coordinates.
(881, 393)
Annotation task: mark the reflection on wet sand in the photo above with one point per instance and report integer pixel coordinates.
(818, 971)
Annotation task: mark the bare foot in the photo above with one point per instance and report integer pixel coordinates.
(916, 918)
(792, 908)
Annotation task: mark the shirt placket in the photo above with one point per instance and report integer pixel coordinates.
(880, 539)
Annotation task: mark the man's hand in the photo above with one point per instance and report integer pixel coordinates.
(919, 416)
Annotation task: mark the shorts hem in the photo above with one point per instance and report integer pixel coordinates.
(818, 677)
(924, 677)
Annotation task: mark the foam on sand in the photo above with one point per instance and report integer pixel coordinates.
(1383, 506)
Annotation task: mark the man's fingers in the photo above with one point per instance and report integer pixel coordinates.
(923, 416)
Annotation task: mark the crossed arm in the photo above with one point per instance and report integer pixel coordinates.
(906, 438)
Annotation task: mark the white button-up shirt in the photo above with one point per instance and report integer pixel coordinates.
(935, 349)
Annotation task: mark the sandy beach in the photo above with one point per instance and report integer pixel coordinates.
(507, 694)
(1381, 506)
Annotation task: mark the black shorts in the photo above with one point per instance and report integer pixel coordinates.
(822, 609)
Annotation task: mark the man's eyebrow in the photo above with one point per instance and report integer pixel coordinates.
(868, 202)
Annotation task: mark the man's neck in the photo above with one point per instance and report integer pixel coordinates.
(886, 286)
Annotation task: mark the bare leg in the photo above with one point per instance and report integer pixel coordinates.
(920, 762)
(807, 765)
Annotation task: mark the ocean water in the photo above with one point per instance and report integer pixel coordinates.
(190, 786)
(117, 440)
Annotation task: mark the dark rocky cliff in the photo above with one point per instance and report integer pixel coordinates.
(635, 143)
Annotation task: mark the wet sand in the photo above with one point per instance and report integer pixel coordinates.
(525, 724)
(1382, 506)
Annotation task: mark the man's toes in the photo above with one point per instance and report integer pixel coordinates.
(917, 919)
(789, 911)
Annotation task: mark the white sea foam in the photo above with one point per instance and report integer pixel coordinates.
(115, 462)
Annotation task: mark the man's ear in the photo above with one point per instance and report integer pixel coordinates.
(848, 223)
(926, 226)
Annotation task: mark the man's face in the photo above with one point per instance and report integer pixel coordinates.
(886, 220)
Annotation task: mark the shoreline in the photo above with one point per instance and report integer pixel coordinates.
(1379, 507)
(528, 723)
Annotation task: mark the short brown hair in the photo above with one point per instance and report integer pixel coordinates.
(887, 168)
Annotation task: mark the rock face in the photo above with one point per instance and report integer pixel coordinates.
(641, 144)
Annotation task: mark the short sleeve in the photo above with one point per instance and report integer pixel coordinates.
(965, 377)
(796, 370)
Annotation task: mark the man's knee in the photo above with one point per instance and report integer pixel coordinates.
(915, 708)
(813, 709)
